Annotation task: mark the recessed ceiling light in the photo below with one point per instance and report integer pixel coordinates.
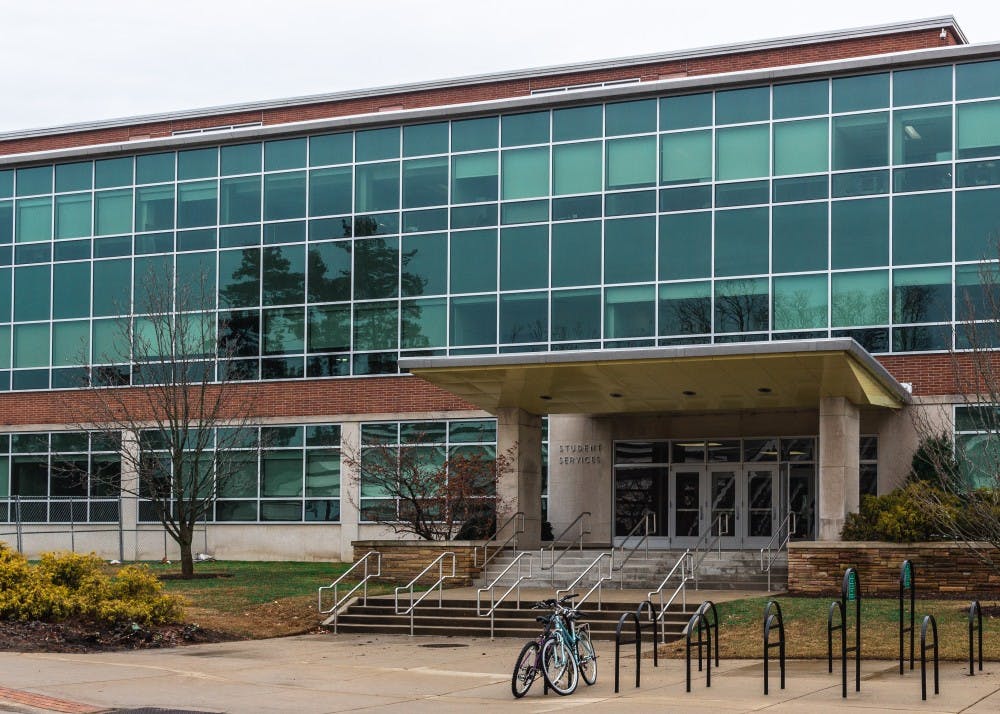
(546, 397)
(911, 131)
(688, 393)
(615, 395)
(764, 390)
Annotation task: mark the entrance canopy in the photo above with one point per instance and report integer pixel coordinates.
(738, 376)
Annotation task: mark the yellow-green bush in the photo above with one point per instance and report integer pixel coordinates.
(66, 585)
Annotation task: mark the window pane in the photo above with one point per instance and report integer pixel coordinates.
(978, 130)
(977, 79)
(976, 224)
(921, 86)
(71, 290)
(284, 196)
(636, 117)
(524, 258)
(196, 204)
(425, 323)
(239, 277)
(31, 345)
(474, 178)
(73, 214)
(330, 328)
(576, 253)
(921, 228)
(800, 302)
(113, 172)
(860, 141)
(284, 154)
(31, 293)
(629, 312)
(376, 144)
(870, 91)
(112, 287)
(524, 317)
(799, 237)
(687, 157)
(741, 241)
(741, 305)
(800, 147)
(154, 208)
(376, 268)
(860, 233)
(686, 245)
(576, 314)
(34, 180)
(921, 135)
(197, 163)
(921, 295)
(331, 149)
(422, 139)
(284, 330)
(323, 472)
(737, 106)
(472, 134)
(473, 261)
(240, 159)
(860, 299)
(577, 123)
(525, 173)
(630, 250)
(576, 168)
(631, 162)
(284, 275)
(425, 182)
(34, 219)
(742, 152)
(425, 264)
(376, 325)
(70, 343)
(473, 320)
(281, 473)
(520, 129)
(376, 187)
(240, 200)
(802, 99)
(686, 112)
(686, 309)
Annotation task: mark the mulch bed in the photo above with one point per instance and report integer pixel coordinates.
(84, 636)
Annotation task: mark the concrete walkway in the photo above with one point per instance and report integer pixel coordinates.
(328, 673)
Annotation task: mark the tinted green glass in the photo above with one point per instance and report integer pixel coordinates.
(630, 250)
(921, 228)
(376, 268)
(576, 168)
(870, 91)
(741, 305)
(520, 129)
(473, 320)
(35, 180)
(801, 99)
(195, 288)
(472, 134)
(424, 323)
(741, 239)
(73, 213)
(799, 237)
(977, 79)
(154, 208)
(976, 225)
(737, 106)
(240, 159)
(281, 473)
(921, 295)
(975, 292)
(196, 204)
(631, 162)
(800, 147)
(113, 211)
(686, 112)
(31, 345)
(421, 139)
(576, 314)
(473, 261)
(6, 183)
(742, 152)
(524, 212)
(329, 266)
(577, 123)
(978, 130)
(686, 157)
(474, 178)
(70, 343)
(524, 257)
(921, 86)
(860, 233)
(525, 173)
(31, 293)
(113, 172)
(921, 135)
(425, 182)
(860, 298)
(686, 308)
(112, 287)
(636, 117)
(79, 176)
(34, 219)
(524, 317)
(800, 302)
(425, 261)
(284, 275)
(239, 200)
(4, 358)
(285, 195)
(331, 149)
(6, 222)
(71, 290)
(629, 312)
(330, 328)
(375, 326)
(239, 277)
(686, 245)
(284, 330)
(330, 191)
(109, 344)
(197, 163)
(284, 154)
(376, 144)
(576, 253)
(860, 141)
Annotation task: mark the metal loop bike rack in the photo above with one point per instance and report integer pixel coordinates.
(850, 590)
(637, 641)
(706, 607)
(655, 622)
(924, 646)
(975, 611)
(907, 581)
(699, 620)
(770, 619)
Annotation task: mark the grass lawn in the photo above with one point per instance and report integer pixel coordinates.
(741, 628)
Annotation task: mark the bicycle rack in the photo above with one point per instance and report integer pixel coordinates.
(850, 590)
(705, 606)
(906, 582)
(619, 642)
(769, 620)
(975, 610)
(701, 621)
(655, 621)
(928, 620)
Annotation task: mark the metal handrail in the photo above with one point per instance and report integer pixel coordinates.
(708, 541)
(438, 561)
(582, 519)
(684, 564)
(517, 519)
(598, 586)
(515, 586)
(790, 524)
(339, 602)
(648, 522)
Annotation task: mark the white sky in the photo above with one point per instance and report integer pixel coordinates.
(68, 61)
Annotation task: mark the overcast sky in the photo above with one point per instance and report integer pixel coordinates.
(69, 61)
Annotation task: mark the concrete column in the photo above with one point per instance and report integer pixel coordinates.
(521, 488)
(350, 491)
(129, 500)
(839, 434)
(580, 473)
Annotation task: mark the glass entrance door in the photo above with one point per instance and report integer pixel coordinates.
(763, 505)
(686, 505)
(723, 515)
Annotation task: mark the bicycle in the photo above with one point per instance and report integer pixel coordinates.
(578, 639)
(556, 663)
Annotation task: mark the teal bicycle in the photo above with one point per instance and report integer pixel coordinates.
(561, 653)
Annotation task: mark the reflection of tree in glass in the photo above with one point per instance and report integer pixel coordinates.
(740, 306)
(797, 310)
(687, 316)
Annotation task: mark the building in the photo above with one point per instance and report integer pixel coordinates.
(714, 283)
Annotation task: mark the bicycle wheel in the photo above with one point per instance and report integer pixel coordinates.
(559, 666)
(524, 670)
(587, 657)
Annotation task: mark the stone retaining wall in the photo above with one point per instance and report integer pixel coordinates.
(402, 560)
(942, 569)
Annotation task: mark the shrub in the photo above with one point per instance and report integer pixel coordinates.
(934, 462)
(897, 517)
(65, 585)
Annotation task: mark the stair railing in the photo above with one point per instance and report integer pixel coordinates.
(583, 523)
(368, 572)
(595, 566)
(770, 552)
(438, 585)
(495, 602)
(681, 572)
(516, 521)
(647, 524)
(710, 539)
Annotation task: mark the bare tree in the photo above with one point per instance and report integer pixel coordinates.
(186, 427)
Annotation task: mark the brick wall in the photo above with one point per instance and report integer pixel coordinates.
(403, 560)
(940, 569)
(459, 94)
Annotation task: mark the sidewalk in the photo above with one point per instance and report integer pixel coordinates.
(336, 673)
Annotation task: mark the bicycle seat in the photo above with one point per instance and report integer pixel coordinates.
(542, 619)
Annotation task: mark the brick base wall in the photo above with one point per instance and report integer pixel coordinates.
(940, 569)
(403, 560)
